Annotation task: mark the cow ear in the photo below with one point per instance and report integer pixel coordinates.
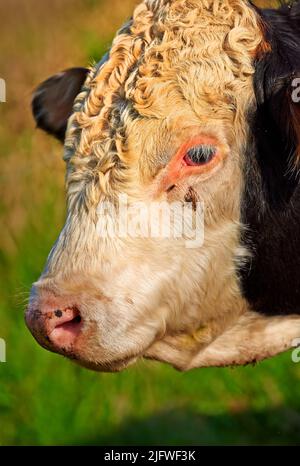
(277, 83)
(53, 100)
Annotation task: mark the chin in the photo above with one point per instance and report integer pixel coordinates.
(117, 365)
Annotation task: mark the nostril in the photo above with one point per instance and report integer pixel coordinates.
(60, 327)
(77, 320)
(59, 314)
(67, 327)
(68, 324)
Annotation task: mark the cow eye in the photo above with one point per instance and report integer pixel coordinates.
(200, 155)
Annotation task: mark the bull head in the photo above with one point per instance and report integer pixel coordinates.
(191, 107)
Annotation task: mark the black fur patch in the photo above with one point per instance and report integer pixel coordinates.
(271, 204)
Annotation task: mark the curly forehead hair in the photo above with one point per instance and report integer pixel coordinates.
(146, 77)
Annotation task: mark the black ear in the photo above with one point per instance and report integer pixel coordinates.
(53, 100)
(277, 79)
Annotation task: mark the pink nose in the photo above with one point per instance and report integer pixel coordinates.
(55, 329)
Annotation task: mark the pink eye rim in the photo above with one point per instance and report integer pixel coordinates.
(181, 167)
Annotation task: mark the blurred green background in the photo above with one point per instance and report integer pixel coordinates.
(44, 399)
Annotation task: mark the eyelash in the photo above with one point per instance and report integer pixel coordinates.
(200, 155)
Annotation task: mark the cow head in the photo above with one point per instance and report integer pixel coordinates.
(164, 119)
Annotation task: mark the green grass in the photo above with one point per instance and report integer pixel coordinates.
(45, 399)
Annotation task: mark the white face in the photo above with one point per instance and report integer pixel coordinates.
(161, 121)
